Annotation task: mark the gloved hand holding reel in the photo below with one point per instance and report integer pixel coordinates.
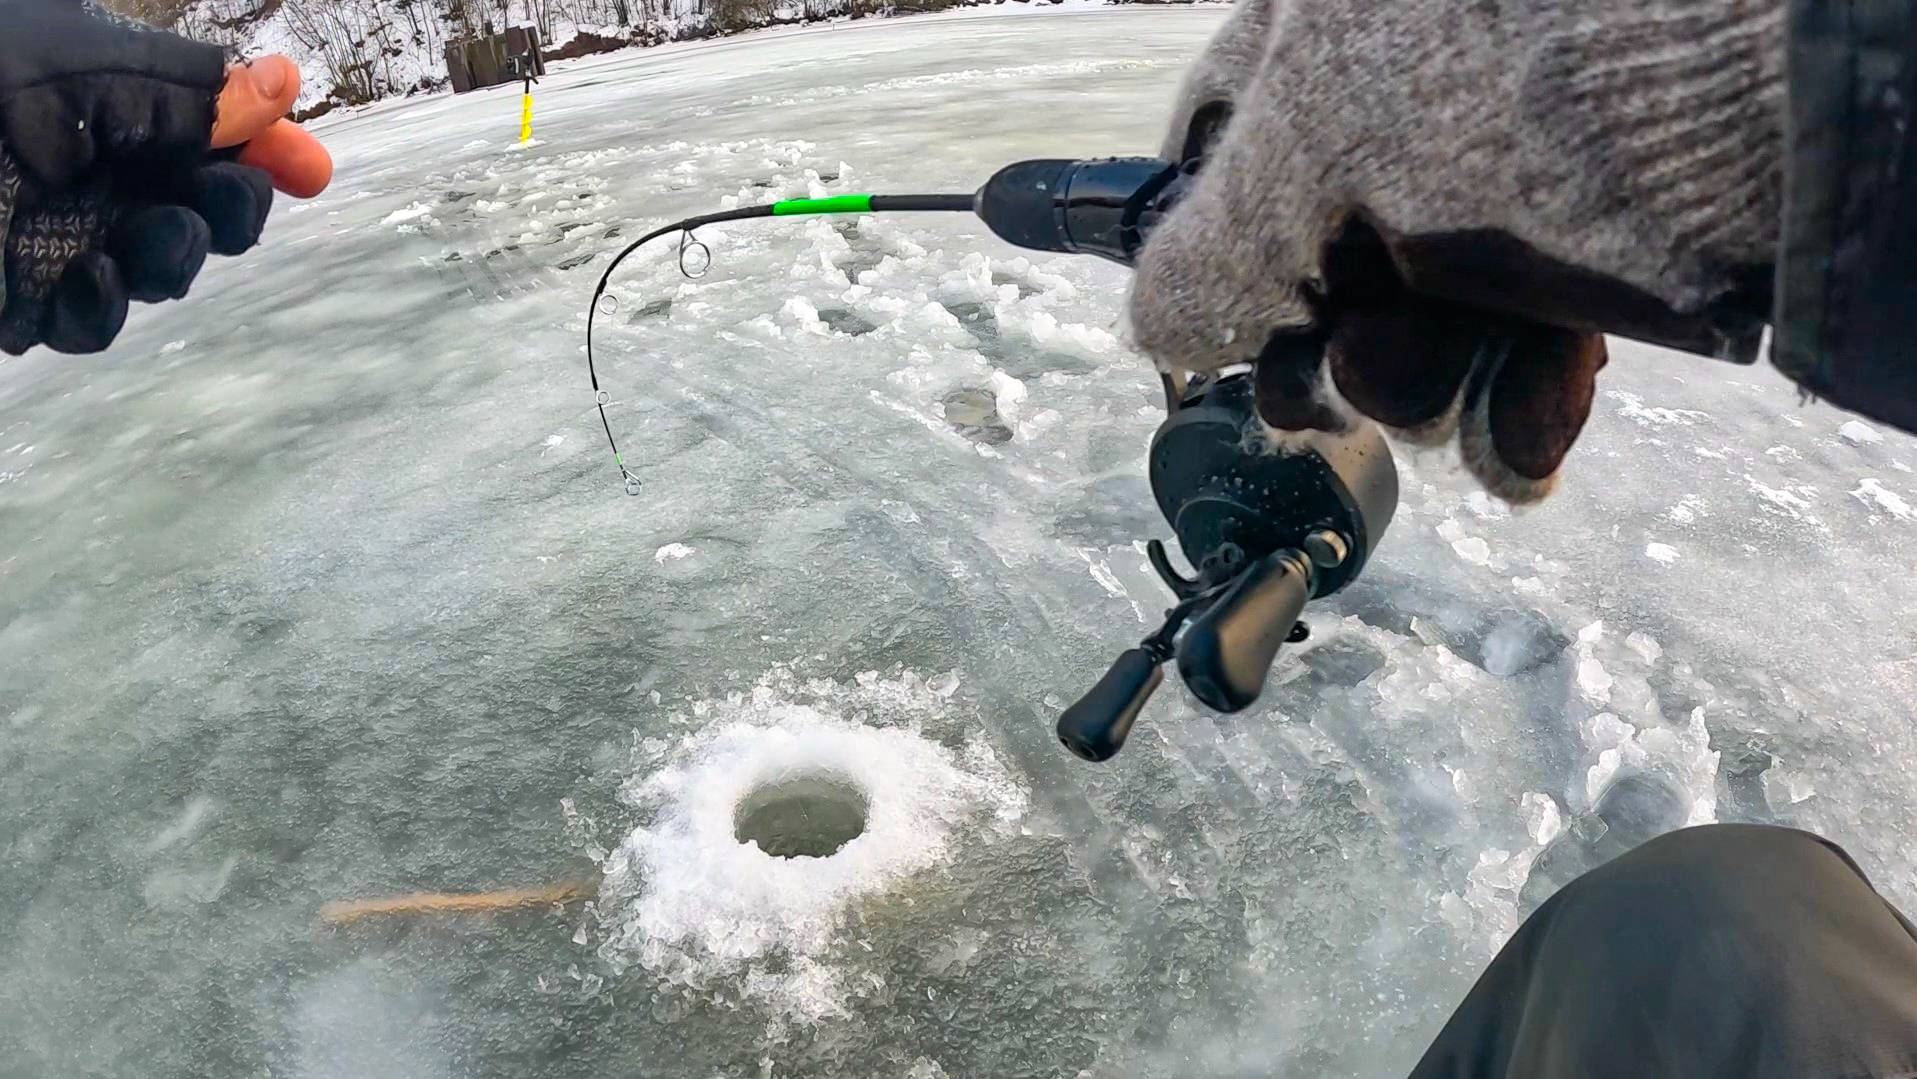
(1265, 532)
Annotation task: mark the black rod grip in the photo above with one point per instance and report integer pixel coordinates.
(1095, 727)
(966, 203)
(1228, 650)
(1024, 202)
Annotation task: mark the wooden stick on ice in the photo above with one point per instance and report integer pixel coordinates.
(346, 912)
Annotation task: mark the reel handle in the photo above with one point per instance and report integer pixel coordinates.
(1095, 728)
(1226, 653)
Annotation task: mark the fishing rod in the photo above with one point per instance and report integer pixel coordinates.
(1102, 207)
(688, 244)
(1263, 532)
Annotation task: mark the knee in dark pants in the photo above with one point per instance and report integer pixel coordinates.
(1714, 911)
(1716, 876)
(1724, 950)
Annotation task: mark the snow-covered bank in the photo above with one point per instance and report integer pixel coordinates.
(354, 52)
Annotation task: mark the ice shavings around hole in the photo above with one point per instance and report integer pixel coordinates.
(686, 901)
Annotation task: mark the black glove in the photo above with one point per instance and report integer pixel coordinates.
(107, 191)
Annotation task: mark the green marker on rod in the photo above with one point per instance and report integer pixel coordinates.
(837, 204)
(871, 204)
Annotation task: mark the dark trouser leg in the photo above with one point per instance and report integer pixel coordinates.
(1729, 950)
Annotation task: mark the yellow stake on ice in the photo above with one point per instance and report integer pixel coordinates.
(526, 66)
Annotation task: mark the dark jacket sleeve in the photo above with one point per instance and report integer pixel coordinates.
(1845, 321)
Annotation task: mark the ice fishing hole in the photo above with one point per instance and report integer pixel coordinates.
(810, 815)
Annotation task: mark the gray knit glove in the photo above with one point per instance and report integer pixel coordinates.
(1623, 154)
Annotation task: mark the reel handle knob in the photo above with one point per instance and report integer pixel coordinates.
(1226, 653)
(1095, 728)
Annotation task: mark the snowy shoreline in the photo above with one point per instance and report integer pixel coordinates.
(984, 12)
(319, 87)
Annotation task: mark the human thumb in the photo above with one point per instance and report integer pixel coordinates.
(255, 95)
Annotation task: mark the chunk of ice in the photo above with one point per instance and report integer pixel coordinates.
(1858, 433)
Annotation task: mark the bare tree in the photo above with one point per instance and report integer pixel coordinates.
(348, 36)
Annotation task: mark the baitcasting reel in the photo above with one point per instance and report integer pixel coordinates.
(1264, 533)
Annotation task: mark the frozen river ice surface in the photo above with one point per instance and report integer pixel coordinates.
(323, 585)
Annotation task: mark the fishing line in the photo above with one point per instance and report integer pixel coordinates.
(694, 253)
